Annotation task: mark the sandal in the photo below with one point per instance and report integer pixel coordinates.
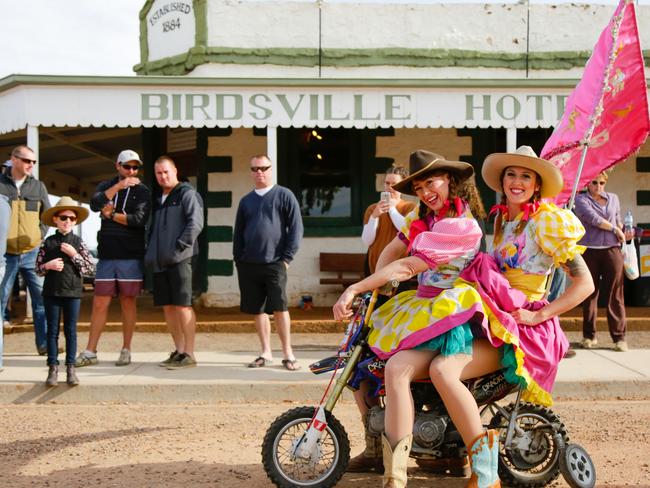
(291, 364)
(259, 362)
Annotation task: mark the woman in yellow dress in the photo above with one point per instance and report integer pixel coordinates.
(410, 329)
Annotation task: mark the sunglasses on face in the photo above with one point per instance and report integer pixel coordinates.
(130, 167)
(26, 160)
(63, 218)
(598, 183)
(263, 169)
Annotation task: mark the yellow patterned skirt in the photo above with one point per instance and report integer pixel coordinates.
(410, 318)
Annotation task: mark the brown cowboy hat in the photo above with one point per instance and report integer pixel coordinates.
(65, 203)
(422, 161)
(524, 157)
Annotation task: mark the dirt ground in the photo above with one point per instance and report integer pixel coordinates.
(219, 445)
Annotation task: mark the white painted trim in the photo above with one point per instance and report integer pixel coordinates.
(33, 142)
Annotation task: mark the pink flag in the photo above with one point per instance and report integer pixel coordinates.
(608, 109)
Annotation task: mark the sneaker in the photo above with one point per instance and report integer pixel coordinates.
(172, 357)
(124, 359)
(587, 343)
(85, 359)
(621, 346)
(183, 360)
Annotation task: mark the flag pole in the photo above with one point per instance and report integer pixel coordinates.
(569, 206)
(583, 157)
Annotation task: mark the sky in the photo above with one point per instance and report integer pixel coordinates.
(72, 37)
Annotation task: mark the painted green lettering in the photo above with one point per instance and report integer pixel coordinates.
(190, 105)
(539, 104)
(267, 111)
(516, 107)
(176, 107)
(560, 105)
(358, 109)
(313, 107)
(291, 111)
(392, 105)
(147, 101)
(236, 105)
(327, 108)
(470, 107)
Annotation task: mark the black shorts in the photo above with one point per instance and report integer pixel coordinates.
(262, 287)
(174, 285)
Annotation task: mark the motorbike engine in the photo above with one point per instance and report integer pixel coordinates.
(428, 430)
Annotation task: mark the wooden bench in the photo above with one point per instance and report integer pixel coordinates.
(349, 267)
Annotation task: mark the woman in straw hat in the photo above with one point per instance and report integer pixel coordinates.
(531, 237)
(408, 330)
(63, 258)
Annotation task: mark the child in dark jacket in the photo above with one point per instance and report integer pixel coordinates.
(63, 258)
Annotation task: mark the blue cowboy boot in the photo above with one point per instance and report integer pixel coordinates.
(484, 461)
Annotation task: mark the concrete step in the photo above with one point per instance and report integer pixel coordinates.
(224, 376)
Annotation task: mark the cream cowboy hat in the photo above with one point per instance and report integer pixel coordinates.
(524, 157)
(422, 161)
(65, 203)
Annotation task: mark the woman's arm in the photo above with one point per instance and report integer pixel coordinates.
(396, 218)
(395, 250)
(370, 231)
(581, 287)
(401, 270)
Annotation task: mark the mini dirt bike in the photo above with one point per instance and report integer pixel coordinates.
(308, 446)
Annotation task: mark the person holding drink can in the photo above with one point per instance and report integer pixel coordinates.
(382, 220)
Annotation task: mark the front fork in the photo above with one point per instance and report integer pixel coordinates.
(307, 445)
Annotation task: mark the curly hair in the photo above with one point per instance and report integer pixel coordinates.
(466, 190)
(498, 222)
(398, 170)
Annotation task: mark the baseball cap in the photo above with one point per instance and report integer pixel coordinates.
(128, 155)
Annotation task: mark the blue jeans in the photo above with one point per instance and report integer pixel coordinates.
(26, 264)
(5, 218)
(54, 307)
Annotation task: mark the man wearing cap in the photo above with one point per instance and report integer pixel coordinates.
(124, 203)
(28, 198)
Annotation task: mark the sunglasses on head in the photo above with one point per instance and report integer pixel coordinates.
(63, 218)
(130, 167)
(26, 160)
(263, 169)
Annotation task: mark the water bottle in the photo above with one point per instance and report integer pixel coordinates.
(628, 222)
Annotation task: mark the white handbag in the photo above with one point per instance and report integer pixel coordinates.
(630, 261)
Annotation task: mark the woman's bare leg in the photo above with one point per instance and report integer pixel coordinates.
(401, 369)
(446, 373)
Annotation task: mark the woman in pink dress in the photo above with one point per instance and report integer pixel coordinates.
(411, 328)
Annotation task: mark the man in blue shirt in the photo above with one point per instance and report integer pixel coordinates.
(268, 230)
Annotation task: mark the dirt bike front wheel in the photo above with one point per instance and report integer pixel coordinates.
(324, 467)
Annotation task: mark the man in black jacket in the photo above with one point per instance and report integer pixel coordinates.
(124, 203)
(28, 199)
(175, 227)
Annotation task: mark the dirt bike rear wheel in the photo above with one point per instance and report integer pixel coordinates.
(286, 471)
(534, 460)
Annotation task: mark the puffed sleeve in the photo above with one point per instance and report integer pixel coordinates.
(558, 232)
(449, 239)
(403, 233)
